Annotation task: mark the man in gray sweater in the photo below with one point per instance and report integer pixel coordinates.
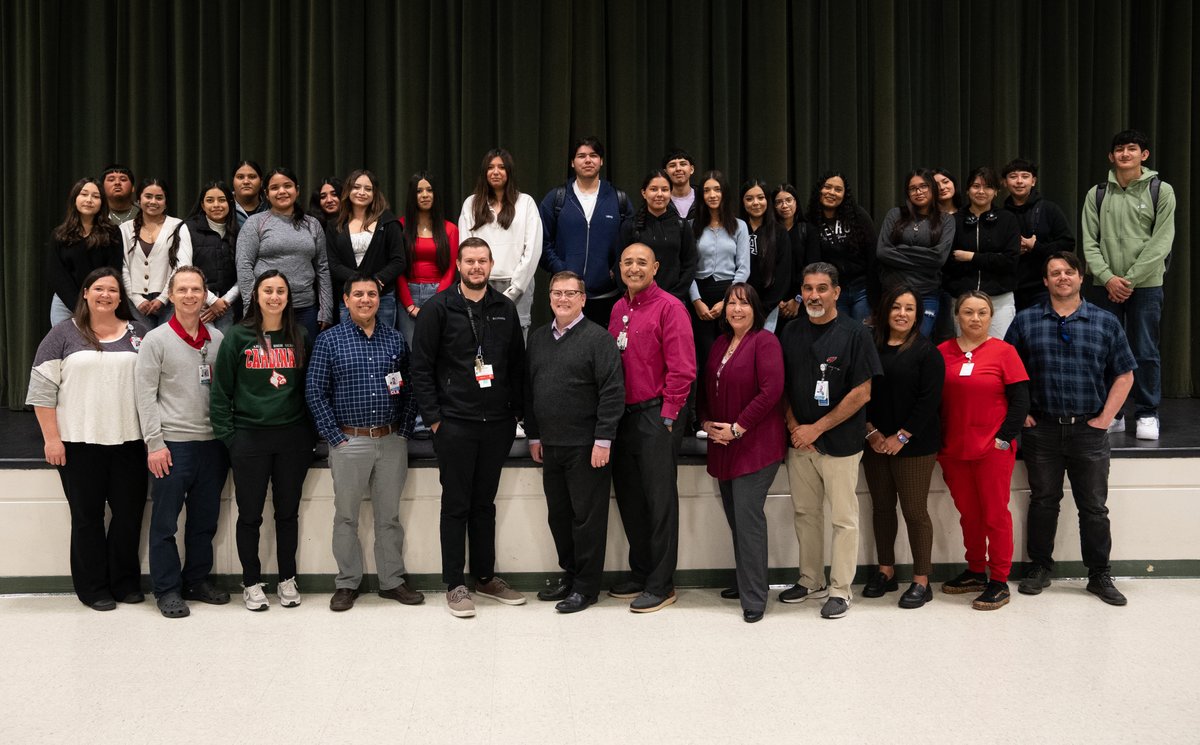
(174, 374)
(575, 394)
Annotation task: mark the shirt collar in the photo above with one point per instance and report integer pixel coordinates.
(559, 332)
(1082, 312)
(645, 295)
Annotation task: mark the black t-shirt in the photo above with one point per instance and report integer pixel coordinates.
(845, 348)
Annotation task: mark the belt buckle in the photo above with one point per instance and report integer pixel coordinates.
(380, 428)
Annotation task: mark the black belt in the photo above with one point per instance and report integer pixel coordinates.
(643, 405)
(1069, 419)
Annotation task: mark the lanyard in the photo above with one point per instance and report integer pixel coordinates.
(474, 331)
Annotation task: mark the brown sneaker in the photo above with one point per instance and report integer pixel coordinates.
(402, 593)
(498, 590)
(459, 602)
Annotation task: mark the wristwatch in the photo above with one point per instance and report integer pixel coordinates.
(737, 432)
(903, 438)
(1002, 444)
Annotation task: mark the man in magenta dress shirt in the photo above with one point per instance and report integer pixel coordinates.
(654, 333)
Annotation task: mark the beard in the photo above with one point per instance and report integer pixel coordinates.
(816, 311)
(474, 285)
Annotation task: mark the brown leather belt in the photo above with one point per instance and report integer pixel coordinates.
(372, 432)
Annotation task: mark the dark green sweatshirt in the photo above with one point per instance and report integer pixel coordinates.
(255, 387)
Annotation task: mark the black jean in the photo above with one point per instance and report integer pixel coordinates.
(645, 454)
(1082, 453)
(577, 512)
(470, 457)
(105, 565)
(279, 456)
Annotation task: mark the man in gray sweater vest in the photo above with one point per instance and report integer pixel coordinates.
(575, 394)
(174, 373)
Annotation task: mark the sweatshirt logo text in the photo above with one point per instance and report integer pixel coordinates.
(258, 358)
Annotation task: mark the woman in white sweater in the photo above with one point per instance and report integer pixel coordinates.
(509, 221)
(153, 244)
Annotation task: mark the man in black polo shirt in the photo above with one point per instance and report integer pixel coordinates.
(1081, 370)
(828, 362)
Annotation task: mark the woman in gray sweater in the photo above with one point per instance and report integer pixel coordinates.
(286, 239)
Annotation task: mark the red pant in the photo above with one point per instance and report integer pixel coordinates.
(980, 489)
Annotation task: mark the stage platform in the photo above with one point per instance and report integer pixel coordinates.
(1154, 492)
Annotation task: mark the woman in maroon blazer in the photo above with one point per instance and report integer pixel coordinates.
(741, 407)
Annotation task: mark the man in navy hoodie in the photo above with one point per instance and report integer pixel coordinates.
(582, 221)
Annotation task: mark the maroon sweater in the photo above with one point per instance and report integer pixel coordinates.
(751, 394)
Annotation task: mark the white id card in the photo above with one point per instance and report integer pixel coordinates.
(394, 383)
(821, 394)
(206, 374)
(484, 376)
(965, 372)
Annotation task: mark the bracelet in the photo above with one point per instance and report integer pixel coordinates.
(871, 433)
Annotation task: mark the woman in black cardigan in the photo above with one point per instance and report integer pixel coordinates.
(366, 237)
(84, 241)
(770, 251)
(903, 437)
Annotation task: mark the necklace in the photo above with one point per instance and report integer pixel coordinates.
(121, 216)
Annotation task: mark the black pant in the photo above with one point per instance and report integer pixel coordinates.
(105, 566)
(712, 291)
(470, 458)
(599, 309)
(644, 458)
(577, 504)
(1082, 452)
(279, 456)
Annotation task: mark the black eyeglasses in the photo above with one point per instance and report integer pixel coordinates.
(1063, 333)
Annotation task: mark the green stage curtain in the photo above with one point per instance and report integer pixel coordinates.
(770, 89)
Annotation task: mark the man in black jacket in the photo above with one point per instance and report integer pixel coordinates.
(1044, 230)
(468, 374)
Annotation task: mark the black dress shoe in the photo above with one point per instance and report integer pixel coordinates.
(343, 599)
(134, 597)
(879, 585)
(103, 604)
(403, 594)
(555, 592)
(752, 616)
(730, 593)
(574, 603)
(205, 592)
(915, 596)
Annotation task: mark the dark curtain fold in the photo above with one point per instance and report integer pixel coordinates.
(770, 89)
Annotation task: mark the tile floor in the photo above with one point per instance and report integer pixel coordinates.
(1058, 668)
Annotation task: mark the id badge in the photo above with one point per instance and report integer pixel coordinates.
(206, 374)
(965, 372)
(622, 341)
(821, 394)
(394, 383)
(484, 376)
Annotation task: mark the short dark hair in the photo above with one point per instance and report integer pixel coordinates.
(117, 168)
(988, 174)
(1019, 164)
(567, 276)
(823, 267)
(591, 141)
(677, 154)
(474, 242)
(359, 277)
(1126, 136)
(1070, 257)
(747, 292)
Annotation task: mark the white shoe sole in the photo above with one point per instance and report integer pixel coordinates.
(814, 595)
(469, 613)
(498, 599)
(257, 607)
(289, 603)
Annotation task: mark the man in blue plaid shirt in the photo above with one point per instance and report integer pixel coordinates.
(1081, 370)
(360, 398)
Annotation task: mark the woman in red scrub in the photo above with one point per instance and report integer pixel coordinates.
(984, 402)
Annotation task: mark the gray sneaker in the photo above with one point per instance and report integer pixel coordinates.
(459, 602)
(835, 608)
(288, 592)
(254, 597)
(798, 593)
(498, 590)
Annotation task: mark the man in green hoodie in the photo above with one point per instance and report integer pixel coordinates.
(1128, 228)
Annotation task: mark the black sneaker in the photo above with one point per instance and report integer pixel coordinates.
(916, 596)
(626, 590)
(798, 593)
(879, 585)
(835, 608)
(966, 582)
(1035, 580)
(994, 597)
(1102, 586)
(205, 591)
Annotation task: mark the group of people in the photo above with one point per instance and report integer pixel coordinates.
(780, 339)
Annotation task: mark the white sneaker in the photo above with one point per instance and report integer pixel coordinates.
(1117, 426)
(1147, 428)
(520, 431)
(289, 594)
(254, 597)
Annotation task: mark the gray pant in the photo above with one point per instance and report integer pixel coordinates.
(378, 467)
(743, 499)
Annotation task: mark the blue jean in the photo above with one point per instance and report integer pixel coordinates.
(152, 322)
(307, 317)
(59, 311)
(930, 307)
(385, 316)
(421, 294)
(197, 476)
(1141, 315)
(853, 301)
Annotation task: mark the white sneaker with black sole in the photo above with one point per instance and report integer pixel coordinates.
(289, 594)
(254, 597)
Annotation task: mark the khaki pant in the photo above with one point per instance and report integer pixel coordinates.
(813, 477)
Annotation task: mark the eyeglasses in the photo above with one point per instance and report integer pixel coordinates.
(1063, 333)
(918, 188)
(568, 294)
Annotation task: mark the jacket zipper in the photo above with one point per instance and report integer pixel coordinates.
(979, 272)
